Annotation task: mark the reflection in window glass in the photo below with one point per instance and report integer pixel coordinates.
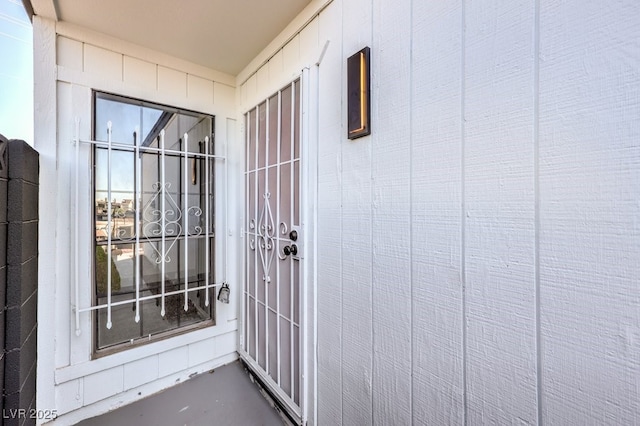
(124, 119)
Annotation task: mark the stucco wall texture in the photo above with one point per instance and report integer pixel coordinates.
(478, 253)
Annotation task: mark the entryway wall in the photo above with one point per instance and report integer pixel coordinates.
(71, 62)
(475, 254)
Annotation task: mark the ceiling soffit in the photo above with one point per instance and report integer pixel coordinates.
(224, 35)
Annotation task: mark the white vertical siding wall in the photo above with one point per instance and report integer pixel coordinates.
(477, 254)
(436, 216)
(329, 255)
(391, 246)
(499, 211)
(67, 72)
(357, 238)
(589, 198)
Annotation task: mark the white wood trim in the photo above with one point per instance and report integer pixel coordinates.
(308, 210)
(76, 371)
(104, 41)
(45, 115)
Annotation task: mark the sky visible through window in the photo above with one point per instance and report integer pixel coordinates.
(16, 72)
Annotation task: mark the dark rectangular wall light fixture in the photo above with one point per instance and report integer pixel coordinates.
(358, 94)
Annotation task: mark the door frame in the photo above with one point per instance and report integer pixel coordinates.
(307, 410)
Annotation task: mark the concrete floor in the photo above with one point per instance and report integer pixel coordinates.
(226, 397)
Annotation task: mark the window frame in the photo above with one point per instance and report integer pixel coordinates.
(98, 352)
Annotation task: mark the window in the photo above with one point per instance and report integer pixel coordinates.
(153, 220)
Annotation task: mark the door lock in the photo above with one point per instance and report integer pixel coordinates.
(292, 249)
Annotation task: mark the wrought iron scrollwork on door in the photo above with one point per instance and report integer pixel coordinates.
(265, 233)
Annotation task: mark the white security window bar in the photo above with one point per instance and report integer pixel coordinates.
(154, 216)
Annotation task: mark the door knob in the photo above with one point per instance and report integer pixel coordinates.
(292, 249)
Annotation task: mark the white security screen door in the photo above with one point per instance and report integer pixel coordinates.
(271, 342)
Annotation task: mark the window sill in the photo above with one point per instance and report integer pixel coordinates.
(121, 347)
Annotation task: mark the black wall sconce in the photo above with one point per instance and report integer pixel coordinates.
(359, 94)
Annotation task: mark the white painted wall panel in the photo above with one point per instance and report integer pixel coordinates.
(499, 232)
(357, 333)
(589, 210)
(69, 396)
(102, 63)
(276, 65)
(201, 352)
(391, 213)
(172, 361)
(103, 384)
(249, 94)
(262, 82)
(436, 195)
(172, 84)
(329, 237)
(62, 354)
(200, 91)
(80, 107)
(226, 341)
(357, 290)
(224, 98)
(472, 185)
(291, 55)
(309, 43)
(69, 53)
(140, 73)
(139, 372)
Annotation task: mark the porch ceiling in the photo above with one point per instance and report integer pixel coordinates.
(224, 35)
